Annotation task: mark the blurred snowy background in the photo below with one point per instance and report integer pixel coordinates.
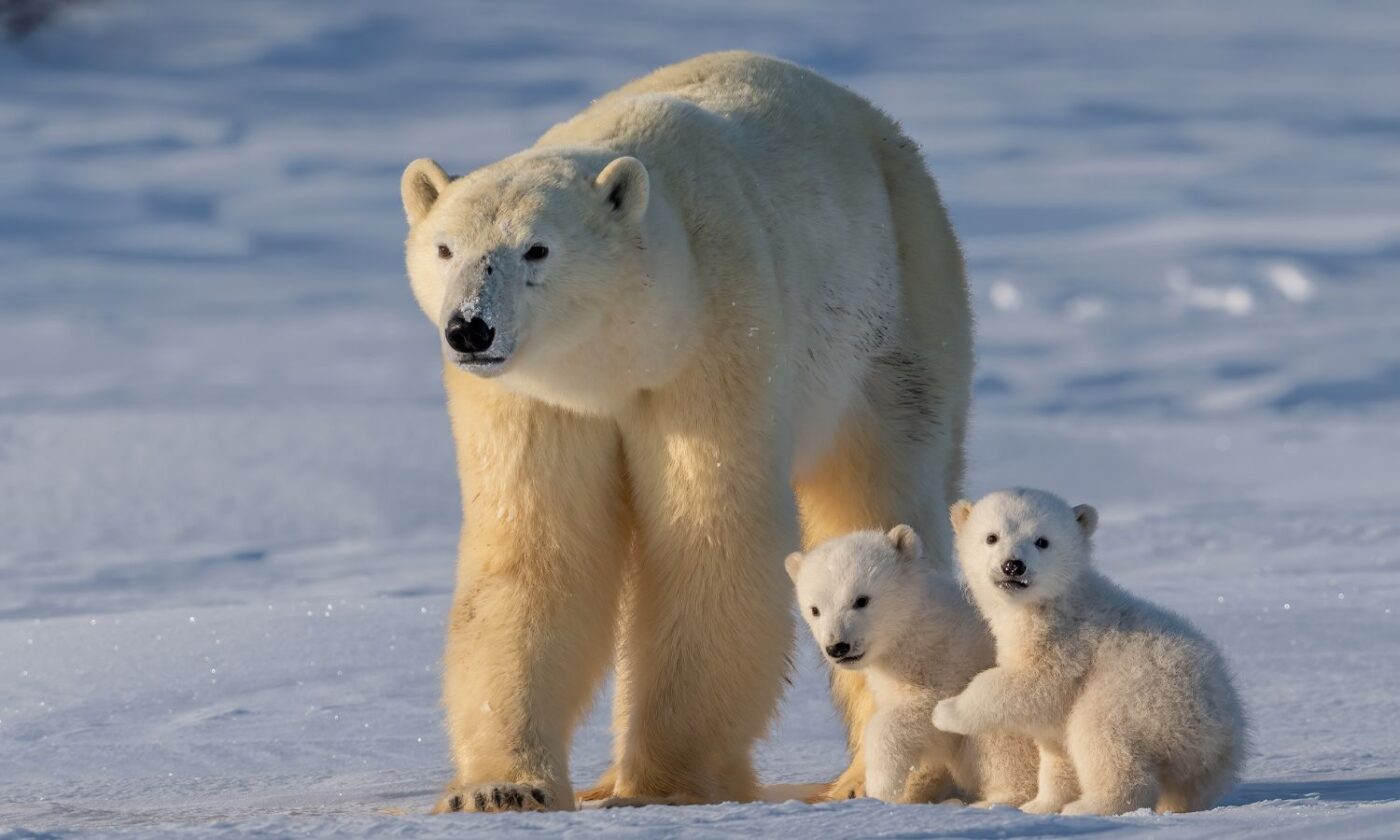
(227, 503)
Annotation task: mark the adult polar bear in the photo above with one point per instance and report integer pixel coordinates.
(723, 293)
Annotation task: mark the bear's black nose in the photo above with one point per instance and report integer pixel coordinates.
(468, 336)
(1013, 568)
(838, 650)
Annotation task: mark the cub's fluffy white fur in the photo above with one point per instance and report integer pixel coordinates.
(1130, 705)
(873, 605)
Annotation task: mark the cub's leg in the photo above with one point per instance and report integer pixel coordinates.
(899, 741)
(708, 627)
(1115, 776)
(530, 631)
(1057, 784)
(1005, 766)
(931, 781)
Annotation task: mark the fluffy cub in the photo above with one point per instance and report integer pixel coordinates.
(1130, 706)
(874, 606)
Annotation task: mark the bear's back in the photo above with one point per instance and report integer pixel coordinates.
(771, 109)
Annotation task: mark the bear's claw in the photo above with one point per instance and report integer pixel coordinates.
(851, 785)
(496, 797)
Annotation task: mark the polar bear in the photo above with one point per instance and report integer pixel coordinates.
(722, 294)
(873, 605)
(1130, 705)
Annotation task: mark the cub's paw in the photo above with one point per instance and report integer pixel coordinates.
(1043, 806)
(947, 717)
(995, 802)
(1086, 807)
(497, 796)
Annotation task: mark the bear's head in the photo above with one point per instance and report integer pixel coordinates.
(860, 592)
(541, 270)
(1022, 545)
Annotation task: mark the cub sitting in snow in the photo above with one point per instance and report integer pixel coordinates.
(1130, 705)
(873, 605)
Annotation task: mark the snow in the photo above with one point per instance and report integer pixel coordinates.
(227, 497)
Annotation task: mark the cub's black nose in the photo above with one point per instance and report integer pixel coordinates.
(466, 336)
(1013, 568)
(838, 650)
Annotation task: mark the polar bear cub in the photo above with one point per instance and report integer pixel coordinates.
(1130, 705)
(872, 604)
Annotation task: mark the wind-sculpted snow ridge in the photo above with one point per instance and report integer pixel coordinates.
(227, 504)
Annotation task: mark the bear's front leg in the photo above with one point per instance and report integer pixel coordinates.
(531, 626)
(707, 629)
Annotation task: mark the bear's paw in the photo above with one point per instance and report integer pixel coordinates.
(491, 797)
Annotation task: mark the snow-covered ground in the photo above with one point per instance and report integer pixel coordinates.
(227, 505)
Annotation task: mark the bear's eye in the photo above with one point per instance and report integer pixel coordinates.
(535, 253)
(862, 602)
(991, 539)
(816, 612)
(1042, 543)
(444, 252)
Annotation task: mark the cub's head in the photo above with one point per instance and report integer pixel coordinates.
(529, 260)
(1022, 545)
(860, 592)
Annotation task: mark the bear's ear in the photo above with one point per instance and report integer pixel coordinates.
(793, 564)
(423, 181)
(906, 542)
(625, 186)
(1087, 517)
(959, 512)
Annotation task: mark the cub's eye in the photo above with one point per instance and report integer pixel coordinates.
(862, 602)
(816, 612)
(991, 539)
(1042, 543)
(444, 252)
(535, 253)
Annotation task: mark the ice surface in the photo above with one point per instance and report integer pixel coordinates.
(227, 501)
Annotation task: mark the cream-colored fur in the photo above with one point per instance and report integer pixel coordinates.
(750, 289)
(911, 631)
(1130, 705)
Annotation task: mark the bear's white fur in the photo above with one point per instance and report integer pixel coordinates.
(1130, 705)
(723, 293)
(917, 639)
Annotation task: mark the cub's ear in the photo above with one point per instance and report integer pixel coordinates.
(625, 185)
(906, 542)
(793, 564)
(959, 512)
(423, 181)
(1087, 517)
